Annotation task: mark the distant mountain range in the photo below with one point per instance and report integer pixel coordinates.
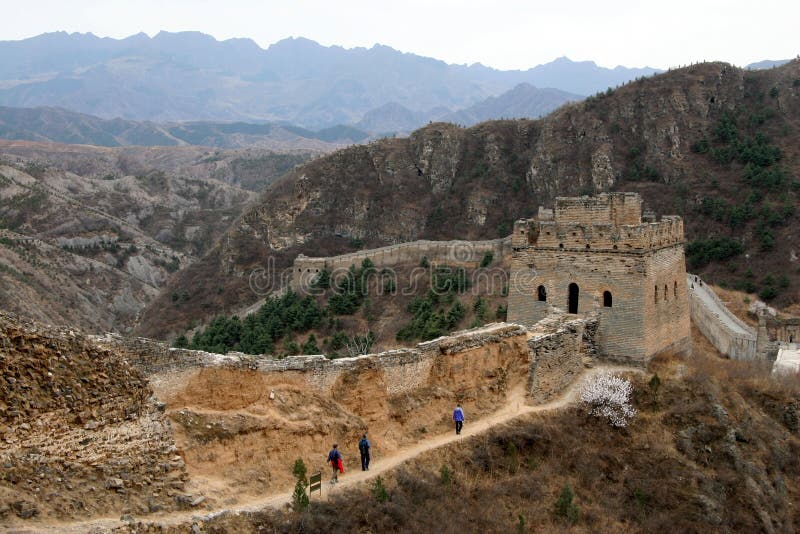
(62, 126)
(190, 76)
(767, 64)
(521, 102)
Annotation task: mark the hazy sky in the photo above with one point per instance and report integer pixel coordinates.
(501, 33)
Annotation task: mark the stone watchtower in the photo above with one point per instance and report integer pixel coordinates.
(596, 254)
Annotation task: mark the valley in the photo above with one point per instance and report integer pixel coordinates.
(91, 235)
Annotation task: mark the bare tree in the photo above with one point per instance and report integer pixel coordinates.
(359, 345)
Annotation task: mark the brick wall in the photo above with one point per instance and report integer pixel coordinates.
(666, 299)
(600, 248)
(615, 208)
(741, 343)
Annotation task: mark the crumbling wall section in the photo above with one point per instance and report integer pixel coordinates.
(552, 356)
(453, 253)
(557, 351)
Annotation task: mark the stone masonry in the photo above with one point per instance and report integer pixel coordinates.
(598, 255)
(557, 350)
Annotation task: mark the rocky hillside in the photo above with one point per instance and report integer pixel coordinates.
(711, 142)
(251, 168)
(91, 235)
(80, 432)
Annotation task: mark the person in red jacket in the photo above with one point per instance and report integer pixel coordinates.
(335, 459)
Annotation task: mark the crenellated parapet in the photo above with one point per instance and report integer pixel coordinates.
(603, 236)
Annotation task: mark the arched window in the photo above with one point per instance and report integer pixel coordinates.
(675, 289)
(572, 303)
(606, 299)
(541, 294)
(665, 292)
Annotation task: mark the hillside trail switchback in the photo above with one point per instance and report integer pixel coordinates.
(513, 408)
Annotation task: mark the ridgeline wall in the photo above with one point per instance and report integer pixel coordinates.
(547, 358)
(729, 334)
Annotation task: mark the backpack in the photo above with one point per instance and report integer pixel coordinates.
(362, 445)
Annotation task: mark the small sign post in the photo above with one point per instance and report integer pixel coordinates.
(315, 483)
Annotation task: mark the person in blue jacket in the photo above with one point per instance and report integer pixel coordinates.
(363, 448)
(458, 417)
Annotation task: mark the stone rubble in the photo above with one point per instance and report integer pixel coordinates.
(80, 433)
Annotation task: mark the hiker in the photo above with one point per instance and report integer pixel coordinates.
(458, 417)
(335, 459)
(363, 448)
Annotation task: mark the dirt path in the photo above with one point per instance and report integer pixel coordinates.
(513, 408)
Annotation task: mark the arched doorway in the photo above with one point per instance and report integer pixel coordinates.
(541, 294)
(572, 305)
(607, 299)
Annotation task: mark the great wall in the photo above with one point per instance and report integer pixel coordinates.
(224, 407)
(456, 253)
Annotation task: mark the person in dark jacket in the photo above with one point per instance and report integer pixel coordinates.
(458, 417)
(335, 459)
(363, 448)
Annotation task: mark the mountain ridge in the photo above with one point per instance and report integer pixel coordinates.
(192, 76)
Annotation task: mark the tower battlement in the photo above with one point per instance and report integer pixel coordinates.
(598, 236)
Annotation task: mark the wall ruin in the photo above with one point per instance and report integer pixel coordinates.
(492, 353)
(774, 333)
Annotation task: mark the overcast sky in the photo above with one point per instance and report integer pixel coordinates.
(506, 34)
